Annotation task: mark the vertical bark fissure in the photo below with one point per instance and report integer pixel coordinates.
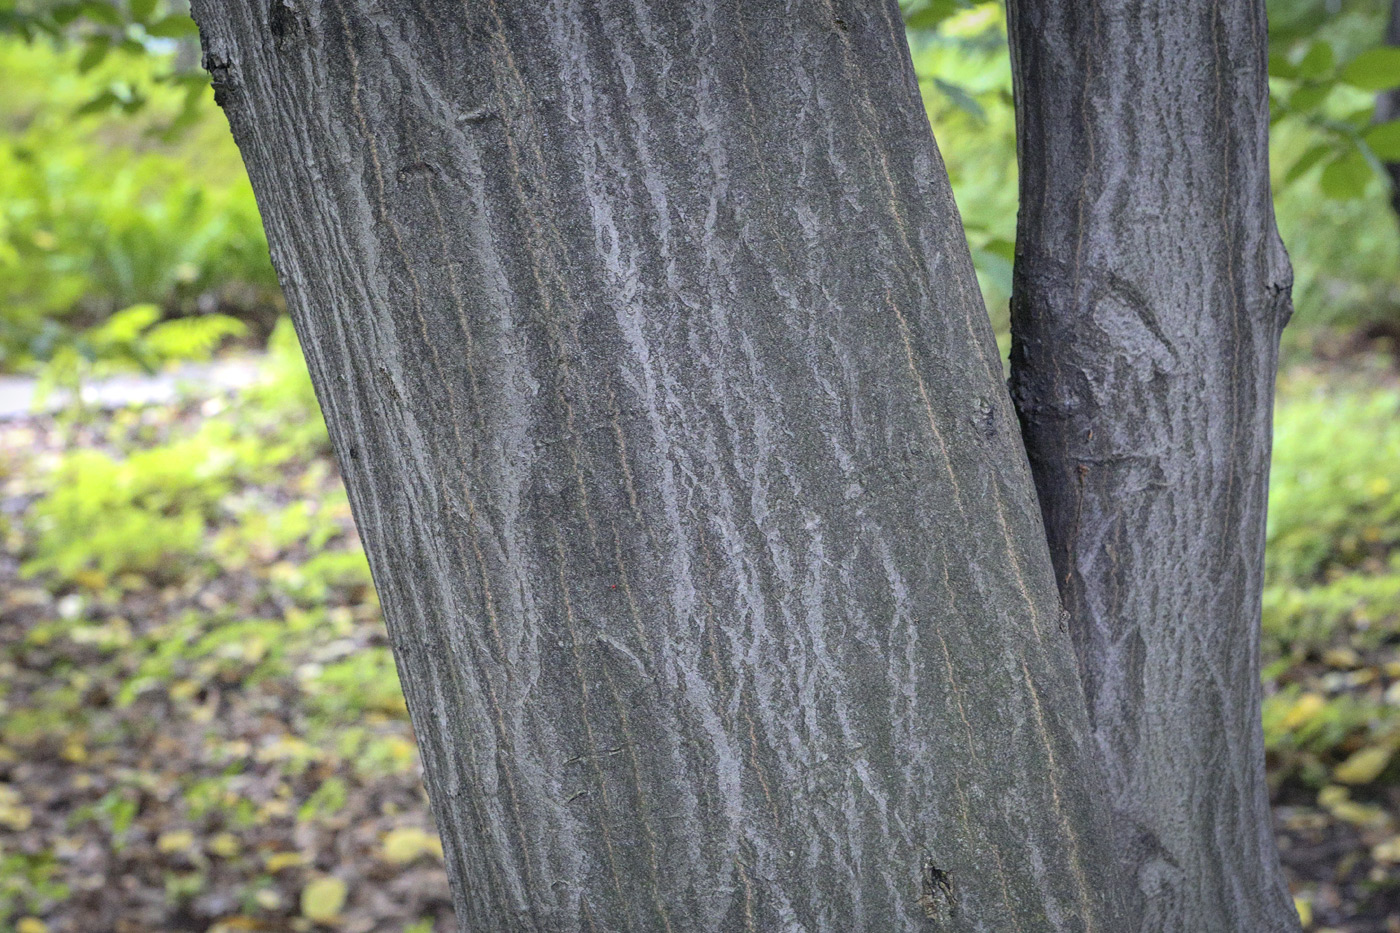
(1150, 290)
(651, 351)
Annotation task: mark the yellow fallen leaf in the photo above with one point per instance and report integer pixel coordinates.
(1362, 677)
(286, 747)
(182, 690)
(13, 813)
(1364, 766)
(1364, 815)
(234, 924)
(1341, 657)
(225, 845)
(1388, 851)
(280, 860)
(16, 818)
(180, 840)
(407, 843)
(90, 579)
(31, 925)
(1337, 801)
(273, 809)
(323, 899)
(1303, 710)
(1304, 909)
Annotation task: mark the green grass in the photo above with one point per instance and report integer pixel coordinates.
(1331, 621)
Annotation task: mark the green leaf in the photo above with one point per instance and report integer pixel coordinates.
(1346, 176)
(1374, 70)
(1306, 161)
(126, 325)
(961, 99)
(99, 12)
(65, 13)
(1360, 118)
(1319, 61)
(1281, 67)
(1384, 140)
(142, 10)
(1310, 96)
(931, 13)
(104, 101)
(997, 246)
(94, 53)
(176, 26)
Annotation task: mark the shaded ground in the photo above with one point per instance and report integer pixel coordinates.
(206, 750)
(201, 727)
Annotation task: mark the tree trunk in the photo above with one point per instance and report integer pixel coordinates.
(672, 421)
(1150, 290)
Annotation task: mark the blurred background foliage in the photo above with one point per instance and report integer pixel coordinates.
(200, 721)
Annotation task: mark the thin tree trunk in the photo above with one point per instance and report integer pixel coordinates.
(1150, 290)
(654, 359)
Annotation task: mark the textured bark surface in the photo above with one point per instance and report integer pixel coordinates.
(671, 417)
(1151, 287)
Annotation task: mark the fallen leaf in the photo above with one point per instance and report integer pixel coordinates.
(180, 840)
(1341, 657)
(407, 843)
(1364, 766)
(225, 845)
(280, 860)
(1388, 851)
(1303, 710)
(13, 813)
(323, 899)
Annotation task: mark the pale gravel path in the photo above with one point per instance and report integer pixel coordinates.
(18, 393)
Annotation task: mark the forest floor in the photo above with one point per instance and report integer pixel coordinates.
(201, 727)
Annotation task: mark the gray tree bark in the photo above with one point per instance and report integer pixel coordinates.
(653, 356)
(1150, 291)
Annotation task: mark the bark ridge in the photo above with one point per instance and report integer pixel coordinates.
(655, 362)
(1150, 290)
